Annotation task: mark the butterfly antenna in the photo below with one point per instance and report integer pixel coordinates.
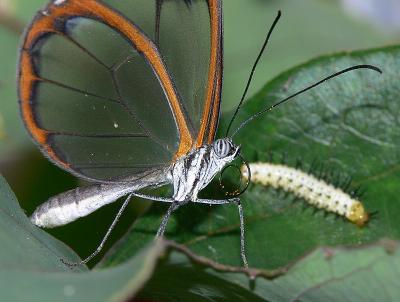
(364, 66)
(253, 70)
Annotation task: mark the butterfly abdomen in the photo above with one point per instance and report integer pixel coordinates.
(314, 191)
(71, 205)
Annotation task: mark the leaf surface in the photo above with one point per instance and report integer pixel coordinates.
(349, 126)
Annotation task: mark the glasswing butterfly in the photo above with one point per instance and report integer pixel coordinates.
(126, 94)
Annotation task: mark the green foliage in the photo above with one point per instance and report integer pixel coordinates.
(32, 268)
(349, 124)
(308, 28)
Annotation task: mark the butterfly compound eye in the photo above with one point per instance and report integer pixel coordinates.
(222, 148)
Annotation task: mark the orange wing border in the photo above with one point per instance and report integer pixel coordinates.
(47, 22)
(211, 112)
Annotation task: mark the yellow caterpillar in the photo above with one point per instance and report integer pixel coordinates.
(314, 191)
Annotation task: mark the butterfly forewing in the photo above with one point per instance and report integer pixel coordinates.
(102, 103)
(188, 34)
(186, 50)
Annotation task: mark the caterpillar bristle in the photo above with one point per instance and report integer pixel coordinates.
(325, 214)
(346, 184)
(311, 168)
(284, 158)
(256, 155)
(356, 192)
(295, 199)
(299, 163)
(373, 215)
(321, 172)
(270, 156)
(314, 211)
(285, 194)
(335, 179)
(361, 191)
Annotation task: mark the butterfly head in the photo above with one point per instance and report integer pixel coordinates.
(226, 152)
(225, 149)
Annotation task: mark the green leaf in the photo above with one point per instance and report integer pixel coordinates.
(365, 274)
(31, 268)
(349, 124)
(18, 235)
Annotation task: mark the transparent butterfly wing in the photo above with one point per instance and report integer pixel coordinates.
(103, 103)
(188, 34)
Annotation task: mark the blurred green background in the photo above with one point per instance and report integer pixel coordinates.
(308, 28)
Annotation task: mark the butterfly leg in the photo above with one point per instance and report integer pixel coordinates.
(241, 217)
(204, 201)
(174, 206)
(217, 202)
(242, 239)
(154, 198)
(171, 200)
(100, 247)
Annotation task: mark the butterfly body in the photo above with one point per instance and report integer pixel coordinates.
(137, 111)
(73, 204)
(188, 175)
(193, 172)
